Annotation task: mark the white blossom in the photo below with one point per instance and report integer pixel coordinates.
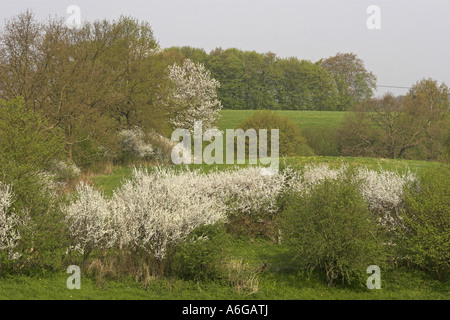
(159, 208)
(65, 169)
(245, 190)
(9, 235)
(195, 95)
(133, 142)
(91, 222)
(384, 190)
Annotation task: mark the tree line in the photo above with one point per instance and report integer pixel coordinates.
(251, 80)
(83, 86)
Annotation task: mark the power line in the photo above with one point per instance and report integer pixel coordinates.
(397, 87)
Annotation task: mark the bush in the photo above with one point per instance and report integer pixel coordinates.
(134, 145)
(426, 218)
(382, 190)
(199, 256)
(91, 222)
(9, 223)
(292, 143)
(28, 148)
(250, 198)
(322, 141)
(332, 229)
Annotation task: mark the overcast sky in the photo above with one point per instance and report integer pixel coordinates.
(413, 42)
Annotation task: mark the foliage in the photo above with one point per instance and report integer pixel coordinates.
(27, 146)
(412, 127)
(323, 141)
(305, 86)
(291, 142)
(88, 82)
(254, 81)
(426, 222)
(27, 151)
(332, 229)
(354, 83)
(200, 255)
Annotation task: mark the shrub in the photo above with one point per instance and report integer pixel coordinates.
(64, 170)
(91, 222)
(250, 198)
(332, 229)
(426, 219)
(134, 145)
(160, 208)
(153, 146)
(28, 147)
(292, 143)
(382, 190)
(322, 141)
(9, 223)
(199, 256)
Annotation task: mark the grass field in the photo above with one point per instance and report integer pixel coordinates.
(279, 279)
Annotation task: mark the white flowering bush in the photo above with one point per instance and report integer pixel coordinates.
(133, 143)
(245, 191)
(313, 175)
(9, 222)
(384, 191)
(64, 170)
(162, 147)
(159, 208)
(150, 146)
(91, 222)
(195, 95)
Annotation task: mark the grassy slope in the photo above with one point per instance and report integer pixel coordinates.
(281, 279)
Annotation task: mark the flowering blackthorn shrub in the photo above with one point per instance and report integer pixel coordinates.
(92, 224)
(9, 235)
(64, 170)
(384, 191)
(246, 190)
(133, 143)
(159, 208)
(195, 93)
